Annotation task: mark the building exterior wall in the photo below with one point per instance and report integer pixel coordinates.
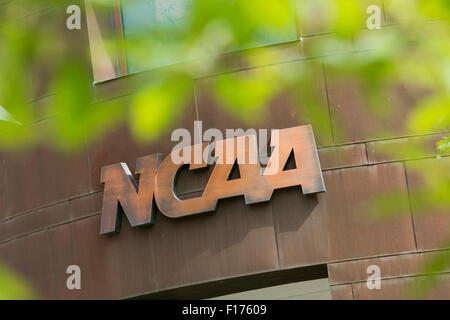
(50, 203)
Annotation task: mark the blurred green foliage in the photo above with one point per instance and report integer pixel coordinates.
(442, 146)
(433, 269)
(411, 51)
(13, 287)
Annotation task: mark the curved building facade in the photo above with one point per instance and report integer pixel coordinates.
(51, 203)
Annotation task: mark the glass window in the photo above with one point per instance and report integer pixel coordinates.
(149, 34)
(140, 18)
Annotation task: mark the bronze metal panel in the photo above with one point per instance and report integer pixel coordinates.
(301, 228)
(4, 16)
(50, 15)
(431, 223)
(402, 149)
(442, 289)
(343, 156)
(72, 44)
(343, 292)
(30, 257)
(353, 232)
(325, 44)
(42, 108)
(120, 145)
(337, 225)
(85, 205)
(355, 118)
(235, 240)
(433, 16)
(121, 86)
(255, 57)
(320, 23)
(391, 267)
(286, 109)
(227, 62)
(61, 246)
(360, 37)
(432, 231)
(77, 243)
(111, 267)
(3, 214)
(400, 289)
(35, 221)
(134, 257)
(4, 232)
(39, 177)
(356, 271)
(24, 8)
(391, 289)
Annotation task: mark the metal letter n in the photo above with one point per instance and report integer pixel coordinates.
(122, 195)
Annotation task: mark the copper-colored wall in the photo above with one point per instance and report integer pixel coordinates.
(50, 204)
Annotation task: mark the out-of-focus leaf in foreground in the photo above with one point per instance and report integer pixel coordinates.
(13, 287)
(431, 273)
(159, 104)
